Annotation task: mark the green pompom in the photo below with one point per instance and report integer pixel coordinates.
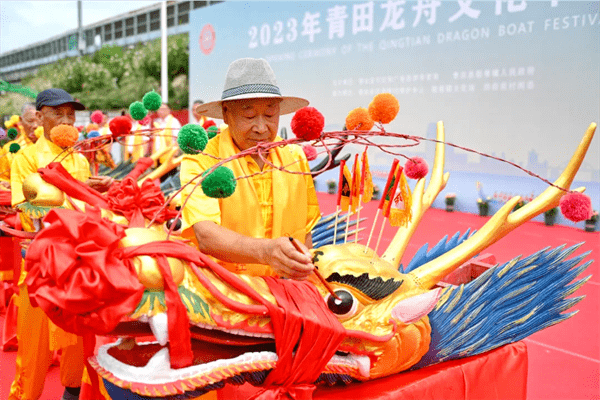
(14, 147)
(152, 101)
(212, 131)
(220, 183)
(192, 139)
(12, 133)
(137, 110)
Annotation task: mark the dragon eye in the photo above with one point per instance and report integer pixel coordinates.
(177, 223)
(345, 307)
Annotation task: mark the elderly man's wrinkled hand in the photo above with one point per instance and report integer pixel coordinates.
(100, 183)
(285, 260)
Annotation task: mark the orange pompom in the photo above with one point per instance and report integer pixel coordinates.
(359, 119)
(91, 127)
(64, 135)
(384, 108)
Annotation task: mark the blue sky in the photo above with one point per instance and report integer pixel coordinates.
(26, 22)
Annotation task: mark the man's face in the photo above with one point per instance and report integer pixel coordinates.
(163, 111)
(30, 121)
(252, 121)
(54, 116)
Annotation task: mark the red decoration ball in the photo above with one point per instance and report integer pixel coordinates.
(308, 123)
(310, 152)
(120, 126)
(576, 206)
(97, 117)
(416, 168)
(208, 123)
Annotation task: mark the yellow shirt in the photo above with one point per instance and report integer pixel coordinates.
(39, 155)
(203, 208)
(6, 156)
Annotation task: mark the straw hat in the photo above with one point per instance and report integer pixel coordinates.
(250, 78)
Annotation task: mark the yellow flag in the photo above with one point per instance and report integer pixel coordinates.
(367, 180)
(354, 198)
(401, 214)
(345, 189)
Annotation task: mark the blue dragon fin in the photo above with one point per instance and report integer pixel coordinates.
(505, 304)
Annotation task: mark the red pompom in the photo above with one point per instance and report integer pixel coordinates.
(120, 126)
(79, 128)
(576, 206)
(416, 168)
(97, 117)
(310, 152)
(208, 123)
(308, 123)
(146, 121)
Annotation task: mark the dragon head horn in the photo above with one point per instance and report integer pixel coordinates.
(504, 221)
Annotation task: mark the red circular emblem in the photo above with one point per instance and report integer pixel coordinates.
(207, 39)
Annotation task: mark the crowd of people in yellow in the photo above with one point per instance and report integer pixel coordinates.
(248, 232)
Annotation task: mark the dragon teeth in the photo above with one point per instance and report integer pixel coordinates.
(160, 328)
(364, 364)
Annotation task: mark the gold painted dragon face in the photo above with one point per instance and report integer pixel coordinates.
(383, 312)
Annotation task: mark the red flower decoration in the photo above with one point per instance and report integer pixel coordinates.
(120, 126)
(576, 206)
(310, 152)
(416, 168)
(308, 123)
(74, 275)
(135, 203)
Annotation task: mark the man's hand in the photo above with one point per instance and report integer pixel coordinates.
(100, 183)
(285, 260)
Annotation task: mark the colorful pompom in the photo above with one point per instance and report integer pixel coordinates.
(97, 117)
(576, 206)
(152, 101)
(137, 110)
(208, 123)
(416, 168)
(91, 127)
(308, 123)
(212, 131)
(146, 121)
(64, 135)
(120, 126)
(359, 119)
(14, 147)
(220, 183)
(192, 139)
(310, 152)
(79, 128)
(384, 108)
(12, 133)
(93, 134)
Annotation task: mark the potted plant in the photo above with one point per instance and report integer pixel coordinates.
(376, 192)
(450, 200)
(484, 206)
(590, 224)
(550, 216)
(331, 186)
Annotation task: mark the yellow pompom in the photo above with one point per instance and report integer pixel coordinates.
(359, 119)
(384, 108)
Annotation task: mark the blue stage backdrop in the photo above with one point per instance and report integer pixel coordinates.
(516, 79)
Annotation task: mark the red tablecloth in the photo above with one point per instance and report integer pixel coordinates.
(499, 374)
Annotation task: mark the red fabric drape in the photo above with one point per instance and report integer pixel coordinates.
(58, 176)
(74, 275)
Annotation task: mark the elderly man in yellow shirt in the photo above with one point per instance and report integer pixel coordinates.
(29, 122)
(36, 335)
(249, 231)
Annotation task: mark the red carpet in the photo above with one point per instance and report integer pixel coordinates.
(564, 360)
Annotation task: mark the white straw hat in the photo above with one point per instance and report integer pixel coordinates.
(250, 78)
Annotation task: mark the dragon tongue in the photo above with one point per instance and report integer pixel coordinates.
(364, 364)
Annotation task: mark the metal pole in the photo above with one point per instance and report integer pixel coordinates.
(80, 44)
(164, 84)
